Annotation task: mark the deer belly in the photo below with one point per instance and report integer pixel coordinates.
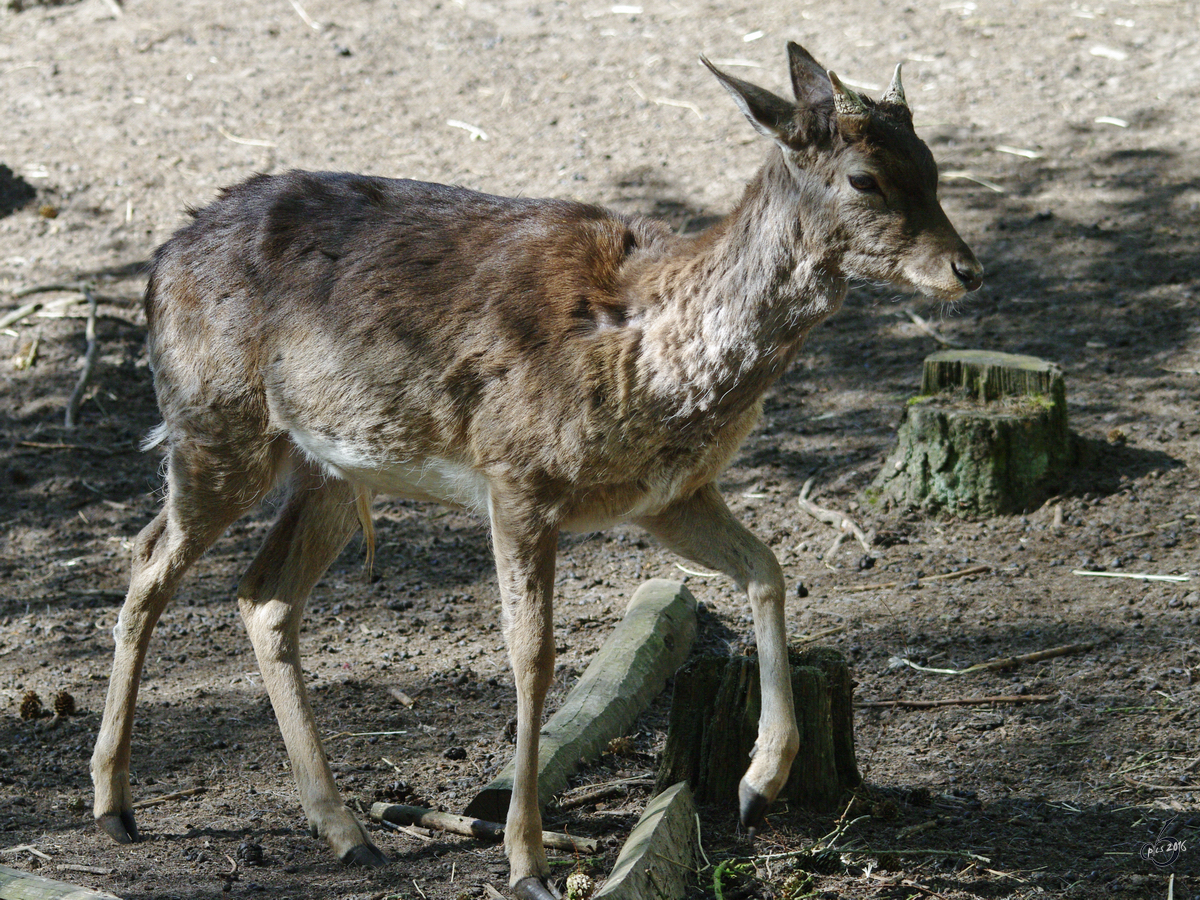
(432, 478)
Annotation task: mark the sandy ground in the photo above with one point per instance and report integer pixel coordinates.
(110, 126)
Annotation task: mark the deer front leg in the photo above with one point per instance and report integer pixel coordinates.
(315, 525)
(525, 554)
(702, 529)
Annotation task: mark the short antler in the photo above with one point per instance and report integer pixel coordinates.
(895, 92)
(846, 103)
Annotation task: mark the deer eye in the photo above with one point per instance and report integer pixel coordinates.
(864, 183)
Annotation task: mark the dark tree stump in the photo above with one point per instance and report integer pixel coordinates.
(714, 721)
(987, 435)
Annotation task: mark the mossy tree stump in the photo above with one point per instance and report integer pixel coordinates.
(987, 435)
(714, 721)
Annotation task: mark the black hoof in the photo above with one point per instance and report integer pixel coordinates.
(366, 855)
(534, 889)
(120, 827)
(752, 807)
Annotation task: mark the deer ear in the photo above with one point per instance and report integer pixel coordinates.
(770, 115)
(810, 82)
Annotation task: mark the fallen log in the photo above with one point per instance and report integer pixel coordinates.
(628, 671)
(18, 885)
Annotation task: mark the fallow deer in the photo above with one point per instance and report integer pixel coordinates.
(550, 365)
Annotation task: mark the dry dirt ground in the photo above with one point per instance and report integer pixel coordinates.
(112, 124)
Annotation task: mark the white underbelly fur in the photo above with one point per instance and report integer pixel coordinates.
(440, 480)
(455, 484)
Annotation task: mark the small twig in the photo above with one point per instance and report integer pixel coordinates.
(1159, 787)
(633, 779)
(342, 734)
(900, 881)
(956, 701)
(698, 573)
(89, 364)
(81, 448)
(411, 830)
(911, 830)
(959, 854)
(816, 636)
(700, 842)
(405, 700)
(612, 790)
(1138, 576)
(830, 517)
(249, 142)
(308, 20)
(930, 330)
(967, 176)
(469, 827)
(77, 287)
(29, 309)
(25, 848)
(1007, 662)
(86, 870)
(477, 134)
(948, 576)
(167, 798)
(680, 104)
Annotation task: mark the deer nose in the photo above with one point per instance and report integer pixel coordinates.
(969, 272)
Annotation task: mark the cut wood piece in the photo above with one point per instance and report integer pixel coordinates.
(714, 722)
(987, 435)
(18, 885)
(659, 859)
(628, 671)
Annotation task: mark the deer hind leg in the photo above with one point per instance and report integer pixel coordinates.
(319, 517)
(702, 529)
(525, 555)
(199, 506)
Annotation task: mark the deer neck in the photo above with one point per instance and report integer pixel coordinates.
(735, 302)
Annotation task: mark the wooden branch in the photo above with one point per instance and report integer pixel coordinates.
(86, 870)
(89, 365)
(1007, 662)
(22, 312)
(167, 798)
(948, 576)
(1159, 787)
(817, 635)
(612, 790)
(1137, 576)
(477, 828)
(831, 517)
(957, 701)
(55, 286)
(81, 448)
(26, 848)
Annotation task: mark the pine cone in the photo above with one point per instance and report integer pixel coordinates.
(31, 706)
(64, 704)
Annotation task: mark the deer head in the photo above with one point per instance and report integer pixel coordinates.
(866, 184)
